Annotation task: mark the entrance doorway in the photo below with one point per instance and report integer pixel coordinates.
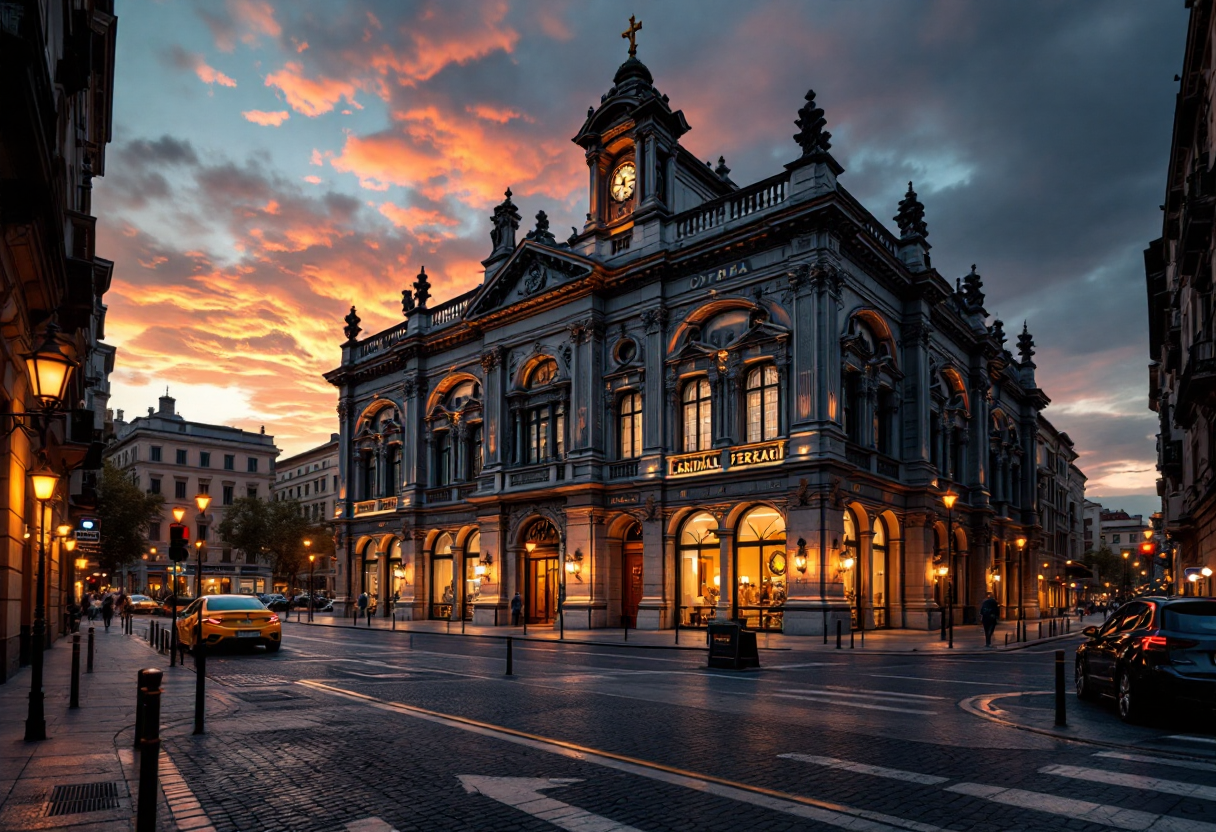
(543, 589)
(631, 576)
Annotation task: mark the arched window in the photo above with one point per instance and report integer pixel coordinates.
(629, 426)
(472, 578)
(442, 589)
(851, 394)
(443, 457)
(699, 574)
(878, 573)
(698, 419)
(393, 470)
(849, 571)
(542, 419)
(760, 568)
(763, 403)
(543, 373)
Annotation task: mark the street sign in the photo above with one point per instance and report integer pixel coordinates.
(88, 536)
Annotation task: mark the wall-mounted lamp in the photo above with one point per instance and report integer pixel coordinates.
(847, 564)
(530, 546)
(943, 571)
(800, 557)
(70, 544)
(479, 570)
(996, 578)
(1206, 571)
(717, 580)
(574, 564)
(63, 530)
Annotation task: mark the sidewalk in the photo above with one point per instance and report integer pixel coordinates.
(967, 639)
(93, 744)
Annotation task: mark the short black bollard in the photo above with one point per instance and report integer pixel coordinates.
(75, 703)
(510, 663)
(149, 750)
(395, 620)
(1006, 639)
(839, 628)
(863, 638)
(89, 666)
(1068, 625)
(369, 619)
(852, 637)
(1040, 629)
(200, 687)
(1061, 719)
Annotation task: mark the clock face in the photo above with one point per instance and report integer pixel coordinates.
(623, 181)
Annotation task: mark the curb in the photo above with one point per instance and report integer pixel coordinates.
(975, 705)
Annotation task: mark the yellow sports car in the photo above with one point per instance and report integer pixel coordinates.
(240, 619)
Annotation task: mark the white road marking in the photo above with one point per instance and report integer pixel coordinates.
(828, 700)
(796, 666)
(1158, 761)
(1082, 809)
(369, 825)
(1132, 781)
(832, 690)
(944, 681)
(1187, 738)
(862, 768)
(832, 814)
(523, 793)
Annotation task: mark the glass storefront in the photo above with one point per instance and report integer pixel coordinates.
(760, 569)
(699, 574)
(472, 575)
(371, 573)
(396, 574)
(442, 585)
(850, 564)
(878, 574)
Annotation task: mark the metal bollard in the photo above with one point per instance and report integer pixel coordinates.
(75, 703)
(394, 619)
(863, 638)
(510, 659)
(149, 751)
(1006, 639)
(200, 686)
(1061, 719)
(839, 628)
(1040, 629)
(852, 637)
(89, 666)
(139, 711)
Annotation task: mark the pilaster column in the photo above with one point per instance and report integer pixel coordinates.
(921, 611)
(654, 321)
(655, 609)
(494, 428)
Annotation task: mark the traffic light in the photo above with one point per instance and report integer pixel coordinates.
(1147, 548)
(179, 542)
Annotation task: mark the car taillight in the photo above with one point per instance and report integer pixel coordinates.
(1153, 643)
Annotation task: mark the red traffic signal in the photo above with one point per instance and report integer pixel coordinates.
(1148, 547)
(179, 539)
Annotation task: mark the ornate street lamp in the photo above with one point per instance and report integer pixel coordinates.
(44, 482)
(311, 562)
(202, 501)
(50, 371)
(948, 590)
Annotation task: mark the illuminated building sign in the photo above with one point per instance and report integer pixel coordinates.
(744, 456)
(709, 278)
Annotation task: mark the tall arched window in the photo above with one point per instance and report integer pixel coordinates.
(760, 568)
(472, 578)
(849, 572)
(393, 470)
(763, 403)
(545, 423)
(442, 587)
(443, 457)
(878, 573)
(699, 574)
(629, 426)
(698, 418)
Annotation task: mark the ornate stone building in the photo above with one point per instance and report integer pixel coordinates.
(709, 402)
(1182, 332)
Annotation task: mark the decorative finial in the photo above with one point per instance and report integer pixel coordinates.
(722, 170)
(541, 233)
(997, 330)
(811, 136)
(422, 288)
(973, 291)
(407, 302)
(352, 328)
(911, 216)
(1026, 345)
(505, 223)
(631, 34)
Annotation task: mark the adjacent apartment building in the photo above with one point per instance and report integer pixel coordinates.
(311, 479)
(166, 454)
(1182, 327)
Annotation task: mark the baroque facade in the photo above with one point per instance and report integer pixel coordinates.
(56, 101)
(1182, 332)
(709, 402)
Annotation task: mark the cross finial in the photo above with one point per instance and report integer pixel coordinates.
(631, 34)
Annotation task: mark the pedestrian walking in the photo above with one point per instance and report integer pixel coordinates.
(989, 612)
(361, 605)
(107, 610)
(517, 609)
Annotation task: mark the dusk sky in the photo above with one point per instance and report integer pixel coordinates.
(275, 162)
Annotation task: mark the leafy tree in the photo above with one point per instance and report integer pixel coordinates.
(274, 532)
(1106, 565)
(125, 511)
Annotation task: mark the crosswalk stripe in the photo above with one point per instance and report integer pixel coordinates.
(831, 690)
(827, 700)
(862, 768)
(1132, 781)
(1082, 809)
(1194, 765)
(1188, 738)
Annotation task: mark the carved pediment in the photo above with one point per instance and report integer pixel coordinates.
(532, 272)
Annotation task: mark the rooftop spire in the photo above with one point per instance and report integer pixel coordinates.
(911, 216)
(973, 291)
(422, 288)
(1026, 345)
(811, 136)
(631, 34)
(352, 328)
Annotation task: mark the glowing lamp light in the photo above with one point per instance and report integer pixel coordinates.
(571, 566)
(1040, 577)
(949, 499)
(70, 544)
(800, 562)
(1192, 577)
(743, 579)
(1021, 541)
(178, 514)
(44, 480)
(530, 546)
(202, 501)
(943, 570)
(49, 370)
(996, 578)
(63, 530)
(1206, 571)
(848, 563)
(312, 558)
(479, 570)
(717, 580)
(82, 564)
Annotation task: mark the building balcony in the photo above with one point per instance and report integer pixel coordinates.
(1198, 382)
(448, 493)
(626, 470)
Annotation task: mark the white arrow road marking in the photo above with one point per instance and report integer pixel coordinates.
(862, 768)
(369, 825)
(1132, 781)
(523, 793)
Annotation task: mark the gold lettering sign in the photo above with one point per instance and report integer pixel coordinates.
(700, 281)
(689, 464)
(771, 453)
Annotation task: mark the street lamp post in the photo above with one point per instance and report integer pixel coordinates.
(948, 590)
(312, 563)
(1126, 577)
(44, 480)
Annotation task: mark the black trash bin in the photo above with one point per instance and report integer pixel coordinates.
(731, 647)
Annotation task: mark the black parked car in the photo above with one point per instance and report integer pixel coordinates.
(1154, 651)
(276, 602)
